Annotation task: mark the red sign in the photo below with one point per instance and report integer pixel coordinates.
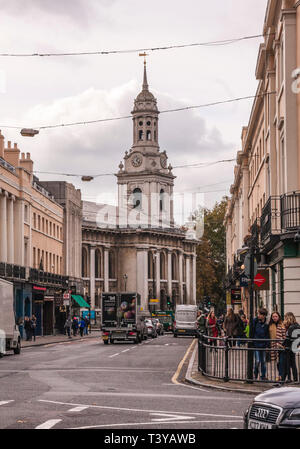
(41, 289)
(260, 280)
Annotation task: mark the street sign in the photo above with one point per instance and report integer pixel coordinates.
(154, 301)
(262, 280)
(236, 296)
(244, 281)
(66, 296)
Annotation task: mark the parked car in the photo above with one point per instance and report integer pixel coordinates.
(159, 326)
(278, 408)
(151, 328)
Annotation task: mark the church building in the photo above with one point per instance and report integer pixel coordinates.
(137, 246)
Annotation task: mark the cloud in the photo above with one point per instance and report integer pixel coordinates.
(98, 148)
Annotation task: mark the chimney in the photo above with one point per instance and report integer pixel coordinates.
(27, 163)
(11, 155)
(1, 145)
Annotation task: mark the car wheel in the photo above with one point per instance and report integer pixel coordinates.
(17, 350)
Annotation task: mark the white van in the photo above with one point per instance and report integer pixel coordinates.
(10, 338)
(185, 320)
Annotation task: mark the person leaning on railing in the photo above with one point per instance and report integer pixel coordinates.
(277, 333)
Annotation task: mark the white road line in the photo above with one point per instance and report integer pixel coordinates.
(114, 355)
(49, 424)
(6, 402)
(126, 350)
(78, 409)
(151, 424)
(105, 407)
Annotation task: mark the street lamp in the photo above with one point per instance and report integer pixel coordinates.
(125, 277)
(29, 132)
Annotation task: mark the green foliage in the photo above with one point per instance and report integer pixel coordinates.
(211, 255)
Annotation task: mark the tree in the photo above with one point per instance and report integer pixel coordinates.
(211, 255)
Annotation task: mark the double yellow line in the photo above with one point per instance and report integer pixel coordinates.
(179, 368)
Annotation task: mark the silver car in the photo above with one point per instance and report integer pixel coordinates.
(151, 328)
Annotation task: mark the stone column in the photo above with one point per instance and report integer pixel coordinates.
(10, 230)
(180, 276)
(157, 276)
(142, 277)
(3, 226)
(188, 279)
(170, 273)
(194, 290)
(92, 276)
(19, 243)
(106, 269)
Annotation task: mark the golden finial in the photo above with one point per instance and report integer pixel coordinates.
(144, 54)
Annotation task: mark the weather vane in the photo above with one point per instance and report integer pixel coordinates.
(144, 54)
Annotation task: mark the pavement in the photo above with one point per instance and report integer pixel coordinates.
(59, 338)
(196, 378)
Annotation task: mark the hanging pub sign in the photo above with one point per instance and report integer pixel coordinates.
(262, 280)
(236, 296)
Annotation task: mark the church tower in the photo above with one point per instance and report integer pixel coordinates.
(145, 181)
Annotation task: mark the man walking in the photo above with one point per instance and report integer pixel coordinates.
(261, 342)
(68, 326)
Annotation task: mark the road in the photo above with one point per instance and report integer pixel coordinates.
(89, 385)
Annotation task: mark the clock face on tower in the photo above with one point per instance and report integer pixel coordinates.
(137, 160)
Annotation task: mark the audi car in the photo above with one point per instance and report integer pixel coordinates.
(278, 408)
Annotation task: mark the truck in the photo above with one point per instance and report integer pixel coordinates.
(185, 320)
(120, 319)
(10, 338)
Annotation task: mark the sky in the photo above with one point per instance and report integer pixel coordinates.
(39, 91)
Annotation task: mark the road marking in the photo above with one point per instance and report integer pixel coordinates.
(114, 355)
(106, 407)
(170, 417)
(176, 375)
(151, 424)
(126, 350)
(6, 402)
(80, 408)
(49, 424)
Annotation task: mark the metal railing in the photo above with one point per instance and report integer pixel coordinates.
(290, 211)
(227, 359)
(270, 220)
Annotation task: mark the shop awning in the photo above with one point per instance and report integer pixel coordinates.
(80, 301)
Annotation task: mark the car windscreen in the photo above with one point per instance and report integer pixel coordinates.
(186, 316)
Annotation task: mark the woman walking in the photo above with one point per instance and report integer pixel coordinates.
(212, 329)
(289, 362)
(277, 333)
(231, 326)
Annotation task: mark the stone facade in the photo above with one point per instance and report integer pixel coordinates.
(136, 245)
(265, 195)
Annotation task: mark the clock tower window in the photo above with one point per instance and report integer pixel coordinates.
(141, 135)
(148, 135)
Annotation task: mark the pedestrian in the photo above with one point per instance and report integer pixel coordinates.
(86, 328)
(231, 326)
(33, 326)
(261, 342)
(28, 328)
(289, 362)
(201, 321)
(243, 329)
(212, 329)
(75, 326)
(81, 325)
(277, 334)
(68, 326)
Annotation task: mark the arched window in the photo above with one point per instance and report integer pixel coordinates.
(112, 265)
(84, 267)
(137, 199)
(162, 266)
(97, 264)
(148, 135)
(150, 265)
(141, 134)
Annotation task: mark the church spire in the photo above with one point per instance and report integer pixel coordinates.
(145, 81)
